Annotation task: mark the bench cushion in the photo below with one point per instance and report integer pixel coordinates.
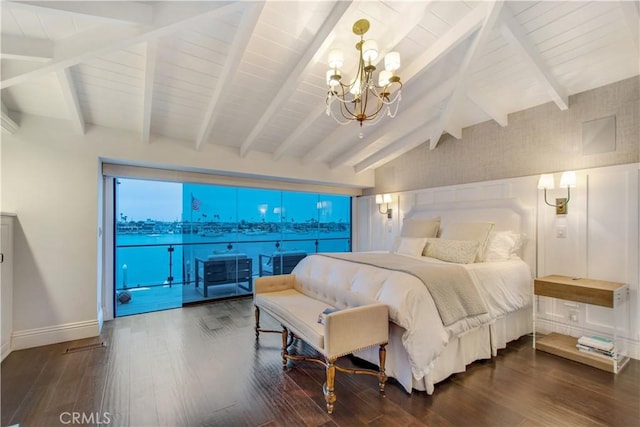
(297, 311)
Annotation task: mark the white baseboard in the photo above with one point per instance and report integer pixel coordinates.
(6, 349)
(54, 334)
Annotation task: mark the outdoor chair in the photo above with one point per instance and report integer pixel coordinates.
(279, 262)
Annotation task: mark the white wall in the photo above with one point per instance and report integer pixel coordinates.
(51, 179)
(602, 239)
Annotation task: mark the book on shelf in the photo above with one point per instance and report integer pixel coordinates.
(597, 342)
(595, 352)
(322, 316)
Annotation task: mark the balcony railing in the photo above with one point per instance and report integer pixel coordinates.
(161, 273)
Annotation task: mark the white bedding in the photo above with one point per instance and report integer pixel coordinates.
(505, 287)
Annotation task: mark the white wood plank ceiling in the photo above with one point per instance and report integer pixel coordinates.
(251, 75)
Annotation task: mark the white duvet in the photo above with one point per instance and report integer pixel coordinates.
(505, 287)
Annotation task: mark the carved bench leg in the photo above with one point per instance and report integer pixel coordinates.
(382, 376)
(256, 313)
(285, 353)
(328, 389)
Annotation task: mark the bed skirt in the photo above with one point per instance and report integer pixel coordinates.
(480, 343)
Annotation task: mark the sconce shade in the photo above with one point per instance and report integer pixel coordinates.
(568, 180)
(546, 182)
(392, 61)
(384, 78)
(336, 58)
(382, 199)
(370, 50)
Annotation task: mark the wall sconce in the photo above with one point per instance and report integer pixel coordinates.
(567, 180)
(384, 199)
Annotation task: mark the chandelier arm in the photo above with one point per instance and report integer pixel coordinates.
(384, 89)
(374, 121)
(378, 108)
(338, 119)
(350, 114)
(330, 111)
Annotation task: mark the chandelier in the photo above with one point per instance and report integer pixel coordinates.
(362, 99)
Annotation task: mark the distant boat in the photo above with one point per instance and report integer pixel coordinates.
(209, 232)
(254, 232)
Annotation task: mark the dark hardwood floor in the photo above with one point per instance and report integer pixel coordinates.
(202, 366)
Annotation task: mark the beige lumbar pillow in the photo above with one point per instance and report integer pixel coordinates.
(420, 227)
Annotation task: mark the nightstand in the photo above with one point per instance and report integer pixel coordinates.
(613, 295)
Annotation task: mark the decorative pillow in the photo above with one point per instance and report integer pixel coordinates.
(478, 231)
(412, 246)
(502, 246)
(420, 227)
(458, 251)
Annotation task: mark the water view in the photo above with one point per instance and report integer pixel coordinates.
(162, 263)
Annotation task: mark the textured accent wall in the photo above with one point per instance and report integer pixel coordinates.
(538, 140)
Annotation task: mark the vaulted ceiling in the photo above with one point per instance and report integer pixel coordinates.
(251, 75)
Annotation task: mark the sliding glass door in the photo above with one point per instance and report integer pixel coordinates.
(183, 243)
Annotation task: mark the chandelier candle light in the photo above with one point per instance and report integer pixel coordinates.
(362, 100)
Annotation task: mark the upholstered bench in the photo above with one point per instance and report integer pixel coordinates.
(355, 324)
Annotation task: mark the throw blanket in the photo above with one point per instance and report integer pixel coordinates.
(450, 286)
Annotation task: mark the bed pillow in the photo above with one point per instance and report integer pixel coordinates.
(412, 246)
(420, 227)
(502, 246)
(458, 251)
(477, 231)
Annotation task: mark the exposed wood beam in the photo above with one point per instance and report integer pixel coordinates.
(232, 62)
(7, 123)
(294, 78)
(407, 143)
(519, 40)
(460, 87)
(407, 121)
(445, 44)
(108, 11)
(169, 18)
(26, 48)
(454, 130)
(149, 81)
(632, 16)
(71, 100)
(498, 114)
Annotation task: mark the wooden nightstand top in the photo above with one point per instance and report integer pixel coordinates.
(589, 291)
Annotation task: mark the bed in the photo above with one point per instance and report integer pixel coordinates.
(423, 348)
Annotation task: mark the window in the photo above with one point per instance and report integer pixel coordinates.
(180, 243)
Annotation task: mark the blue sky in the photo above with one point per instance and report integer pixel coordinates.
(165, 201)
